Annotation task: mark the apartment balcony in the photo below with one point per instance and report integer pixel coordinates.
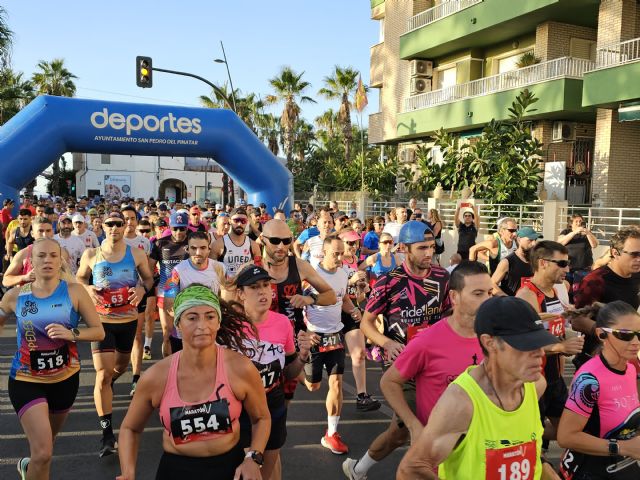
(376, 128)
(462, 24)
(557, 84)
(614, 78)
(377, 66)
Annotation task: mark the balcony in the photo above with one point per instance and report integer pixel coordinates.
(376, 70)
(376, 128)
(557, 84)
(614, 78)
(462, 24)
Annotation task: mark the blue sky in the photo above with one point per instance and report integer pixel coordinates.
(99, 41)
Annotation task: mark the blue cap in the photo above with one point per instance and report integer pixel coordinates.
(413, 232)
(179, 219)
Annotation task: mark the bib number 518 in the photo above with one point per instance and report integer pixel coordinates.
(516, 470)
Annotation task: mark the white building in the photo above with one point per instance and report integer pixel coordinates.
(141, 176)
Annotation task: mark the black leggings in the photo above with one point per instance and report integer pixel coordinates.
(220, 467)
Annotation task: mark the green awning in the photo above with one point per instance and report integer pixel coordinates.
(629, 112)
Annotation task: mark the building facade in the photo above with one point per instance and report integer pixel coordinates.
(457, 64)
(140, 176)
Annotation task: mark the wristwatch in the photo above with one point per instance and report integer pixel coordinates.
(76, 333)
(614, 448)
(256, 456)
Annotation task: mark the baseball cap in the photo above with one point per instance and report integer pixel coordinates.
(115, 216)
(515, 321)
(218, 206)
(207, 214)
(349, 236)
(178, 219)
(413, 232)
(195, 209)
(251, 275)
(163, 207)
(239, 211)
(92, 211)
(64, 217)
(529, 232)
(341, 214)
(77, 218)
(161, 223)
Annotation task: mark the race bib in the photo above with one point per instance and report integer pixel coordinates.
(270, 374)
(192, 423)
(556, 327)
(511, 463)
(413, 330)
(329, 342)
(115, 298)
(47, 361)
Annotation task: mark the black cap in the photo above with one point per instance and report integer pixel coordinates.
(251, 275)
(239, 211)
(515, 321)
(161, 223)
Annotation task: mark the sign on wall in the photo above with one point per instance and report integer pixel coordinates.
(555, 174)
(117, 186)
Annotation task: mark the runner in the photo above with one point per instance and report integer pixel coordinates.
(110, 275)
(198, 444)
(328, 350)
(223, 224)
(273, 352)
(409, 298)
(167, 252)
(486, 425)
(515, 267)
(45, 372)
(357, 290)
(134, 240)
(382, 262)
(72, 244)
(198, 268)
(502, 244)
(315, 244)
(288, 273)
(89, 239)
(600, 422)
(235, 249)
(21, 236)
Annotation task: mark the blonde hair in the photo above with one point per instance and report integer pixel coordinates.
(65, 270)
(435, 216)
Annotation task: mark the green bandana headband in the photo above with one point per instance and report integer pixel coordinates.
(194, 296)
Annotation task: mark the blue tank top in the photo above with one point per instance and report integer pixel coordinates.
(39, 358)
(114, 281)
(379, 269)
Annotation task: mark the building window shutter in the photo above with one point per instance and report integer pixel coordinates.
(105, 159)
(581, 48)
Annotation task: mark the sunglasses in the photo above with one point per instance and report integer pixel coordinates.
(511, 230)
(113, 224)
(278, 241)
(560, 263)
(351, 243)
(241, 221)
(143, 231)
(178, 229)
(631, 254)
(624, 335)
(387, 242)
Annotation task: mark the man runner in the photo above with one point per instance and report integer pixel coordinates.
(72, 244)
(236, 248)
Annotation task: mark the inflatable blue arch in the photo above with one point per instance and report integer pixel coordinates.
(50, 126)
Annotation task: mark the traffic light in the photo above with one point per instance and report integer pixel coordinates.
(144, 72)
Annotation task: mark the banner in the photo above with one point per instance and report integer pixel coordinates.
(117, 186)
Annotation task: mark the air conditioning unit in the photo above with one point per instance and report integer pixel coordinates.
(420, 85)
(408, 155)
(421, 68)
(563, 131)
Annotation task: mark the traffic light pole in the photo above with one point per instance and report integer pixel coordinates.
(225, 177)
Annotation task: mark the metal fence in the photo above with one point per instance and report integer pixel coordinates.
(529, 215)
(618, 54)
(603, 222)
(434, 14)
(565, 67)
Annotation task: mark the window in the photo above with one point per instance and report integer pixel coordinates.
(381, 32)
(581, 48)
(105, 159)
(447, 77)
(508, 64)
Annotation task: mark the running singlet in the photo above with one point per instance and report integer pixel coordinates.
(23, 242)
(185, 274)
(235, 256)
(27, 266)
(498, 445)
(609, 399)
(39, 358)
(407, 302)
(379, 269)
(113, 281)
(140, 242)
(186, 422)
(503, 251)
(290, 286)
(168, 254)
(519, 271)
(327, 318)
(351, 269)
(316, 254)
(275, 339)
(74, 247)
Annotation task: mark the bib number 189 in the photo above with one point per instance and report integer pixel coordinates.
(517, 462)
(517, 470)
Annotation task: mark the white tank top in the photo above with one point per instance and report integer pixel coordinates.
(328, 318)
(503, 250)
(235, 256)
(316, 253)
(207, 277)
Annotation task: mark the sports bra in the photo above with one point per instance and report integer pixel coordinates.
(187, 422)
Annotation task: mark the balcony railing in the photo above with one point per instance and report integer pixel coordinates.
(618, 54)
(565, 67)
(434, 14)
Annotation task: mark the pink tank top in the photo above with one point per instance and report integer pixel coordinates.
(188, 422)
(27, 266)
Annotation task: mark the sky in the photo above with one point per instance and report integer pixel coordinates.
(99, 41)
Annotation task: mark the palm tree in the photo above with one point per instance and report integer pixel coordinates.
(6, 39)
(289, 88)
(15, 93)
(341, 84)
(54, 79)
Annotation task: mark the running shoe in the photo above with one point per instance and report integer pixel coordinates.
(366, 403)
(146, 355)
(334, 443)
(22, 467)
(349, 470)
(133, 388)
(109, 446)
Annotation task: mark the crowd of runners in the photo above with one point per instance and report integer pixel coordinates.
(255, 304)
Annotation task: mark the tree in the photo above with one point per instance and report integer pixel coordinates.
(6, 39)
(54, 79)
(15, 93)
(289, 89)
(342, 84)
